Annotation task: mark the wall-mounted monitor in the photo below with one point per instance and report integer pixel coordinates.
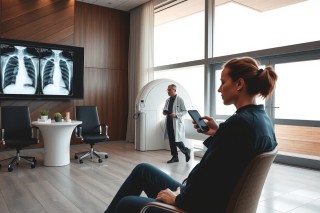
(33, 70)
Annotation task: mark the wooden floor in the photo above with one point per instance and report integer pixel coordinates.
(89, 187)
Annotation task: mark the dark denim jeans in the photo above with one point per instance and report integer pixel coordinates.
(144, 177)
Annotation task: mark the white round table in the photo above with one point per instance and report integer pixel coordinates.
(56, 139)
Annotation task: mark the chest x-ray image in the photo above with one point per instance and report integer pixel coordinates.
(19, 70)
(56, 71)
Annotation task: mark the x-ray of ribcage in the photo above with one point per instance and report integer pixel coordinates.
(56, 74)
(19, 72)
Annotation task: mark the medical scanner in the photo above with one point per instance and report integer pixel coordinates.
(149, 120)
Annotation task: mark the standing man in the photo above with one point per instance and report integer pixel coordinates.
(174, 109)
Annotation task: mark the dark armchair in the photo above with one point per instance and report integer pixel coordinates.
(17, 132)
(91, 131)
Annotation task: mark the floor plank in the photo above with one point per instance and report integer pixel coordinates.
(89, 187)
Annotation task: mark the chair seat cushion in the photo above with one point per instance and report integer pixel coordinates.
(20, 143)
(93, 138)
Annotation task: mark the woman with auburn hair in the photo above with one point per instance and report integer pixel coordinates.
(231, 145)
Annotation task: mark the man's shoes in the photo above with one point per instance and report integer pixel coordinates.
(187, 154)
(173, 159)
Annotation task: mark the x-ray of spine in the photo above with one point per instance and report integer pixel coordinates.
(19, 70)
(56, 73)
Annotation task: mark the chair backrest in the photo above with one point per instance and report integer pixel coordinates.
(246, 194)
(90, 119)
(16, 122)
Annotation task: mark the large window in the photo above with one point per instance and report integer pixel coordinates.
(297, 94)
(283, 34)
(179, 33)
(258, 25)
(294, 106)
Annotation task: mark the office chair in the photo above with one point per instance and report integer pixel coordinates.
(246, 194)
(17, 132)
(91, 131)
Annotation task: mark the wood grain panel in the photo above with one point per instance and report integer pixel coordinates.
(111, 98)
(91, 186)
(104, 34)
(87, 187)
(50, 21)
(298, 139)
(119, 41)
(102, 31)
(47, 21)
(13, 8)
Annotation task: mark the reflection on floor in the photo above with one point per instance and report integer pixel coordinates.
(290, 189)
(89, 187)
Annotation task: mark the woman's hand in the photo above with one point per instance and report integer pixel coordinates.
(168, 196)
(211, 123)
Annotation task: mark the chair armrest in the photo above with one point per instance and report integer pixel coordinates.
(104, 129)
(78, 132)
(164, 206)
(37, 133)
(2, 137)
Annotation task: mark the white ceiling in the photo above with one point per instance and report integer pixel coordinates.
(127, 5)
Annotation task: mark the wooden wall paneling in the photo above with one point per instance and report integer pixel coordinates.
(50, 21)
(13, 8)
(110, 97)
(119, 45)
(119, 41)
(117, 99)
(19, 12)
(43, 22)
(87, 33)
(92, 27)
(298, 139)
(79, 34)
(104, 34)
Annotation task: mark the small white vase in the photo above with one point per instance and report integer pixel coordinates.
(44, 117)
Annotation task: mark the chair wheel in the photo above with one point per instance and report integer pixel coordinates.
(10, 169)
(100, 160)
(106, 156)
(75, 156)
(80, 161)
(33, 165)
